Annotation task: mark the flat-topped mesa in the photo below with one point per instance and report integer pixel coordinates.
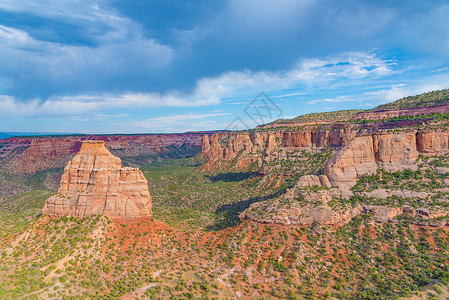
(94, 183)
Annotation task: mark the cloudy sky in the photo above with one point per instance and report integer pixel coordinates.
(116, 66)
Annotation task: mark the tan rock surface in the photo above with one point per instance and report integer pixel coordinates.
(395, 147)
(308, 180)
(352, 162)
(205, 144)
(216, 151)
(432, 143)
(94, 183)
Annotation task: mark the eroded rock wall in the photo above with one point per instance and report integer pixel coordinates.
(357, 153)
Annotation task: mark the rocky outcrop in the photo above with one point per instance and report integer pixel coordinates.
(205, 144)
(297, 139)
(385, 193)
(94, 183)
(306, 216)
(308, 181)
(391, 151)
(333, 137)
(352, 162)
(432, 143)
(215, 152)
(249, 147)
(395, 147)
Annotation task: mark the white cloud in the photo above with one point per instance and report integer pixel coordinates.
(117, 49)
(210, 90)
(60, 106)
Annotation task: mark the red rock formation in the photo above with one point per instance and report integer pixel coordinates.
(432, 143)
(297, 139)
(352, 162)
(205, 144)
(271, 142)
(335, 137)
(395, 147)
(358, 150)
(216, 152)
(94, 183)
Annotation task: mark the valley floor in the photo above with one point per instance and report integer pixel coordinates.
(197, 247)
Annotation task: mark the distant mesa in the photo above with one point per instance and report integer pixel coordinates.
(95, 183)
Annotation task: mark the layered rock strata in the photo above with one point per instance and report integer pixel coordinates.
(357, 154)
(94, 183)
(225, 148)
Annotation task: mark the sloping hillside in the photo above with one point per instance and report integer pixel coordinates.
(421, 100)
(339, 115)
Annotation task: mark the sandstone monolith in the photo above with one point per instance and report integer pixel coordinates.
(95, 183)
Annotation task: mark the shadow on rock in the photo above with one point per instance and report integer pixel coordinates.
(231, 177)
(229, 213)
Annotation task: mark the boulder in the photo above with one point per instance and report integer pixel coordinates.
(308, 180)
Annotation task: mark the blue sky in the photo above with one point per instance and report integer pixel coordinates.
(139, 66)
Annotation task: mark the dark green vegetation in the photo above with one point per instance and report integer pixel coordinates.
(421, 100)
(170, 152)
(299, 162)
(184, 195)
(99, 259)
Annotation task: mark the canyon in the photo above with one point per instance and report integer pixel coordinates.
(28, 155)
(341, 208)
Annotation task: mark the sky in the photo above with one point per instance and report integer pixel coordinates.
(156, 66)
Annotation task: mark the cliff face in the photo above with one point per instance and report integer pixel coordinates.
(352, 162)
(319, 138)
(246, 145)
(357, 153)
(349, 154)
(306, 216)
(432, 143)
(94, 183)
(392, 151)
